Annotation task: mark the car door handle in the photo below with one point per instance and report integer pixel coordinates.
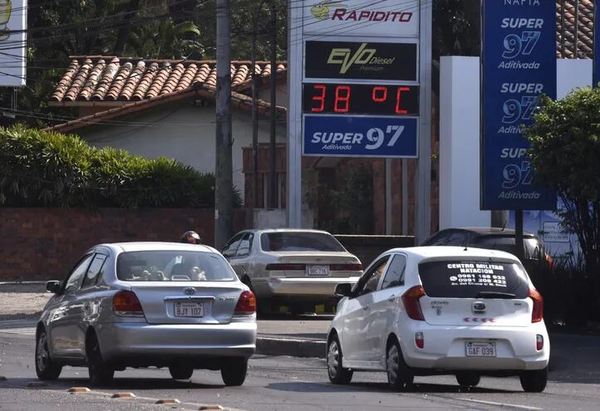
(391, 298)
(365, 307)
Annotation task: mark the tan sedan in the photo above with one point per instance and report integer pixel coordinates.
(294, 267)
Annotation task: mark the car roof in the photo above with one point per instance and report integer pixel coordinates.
(156, 246)
(289, 230)
(453, 252)
(490, 231)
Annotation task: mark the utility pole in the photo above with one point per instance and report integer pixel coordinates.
(273, 135)
(223, 169)
(254, 112)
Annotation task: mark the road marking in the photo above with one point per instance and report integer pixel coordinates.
(78, 390)
(123, 395)
(168, 401)
(502, 404)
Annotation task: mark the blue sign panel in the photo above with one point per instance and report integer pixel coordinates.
(519, 64)
(360, 136)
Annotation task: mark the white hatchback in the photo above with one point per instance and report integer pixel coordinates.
(440, 310)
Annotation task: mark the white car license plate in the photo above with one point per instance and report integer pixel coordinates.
(188, 310)
(317, 269)
(480, 349)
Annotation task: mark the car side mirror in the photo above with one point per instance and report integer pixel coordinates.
(343, 290)
(53, 286)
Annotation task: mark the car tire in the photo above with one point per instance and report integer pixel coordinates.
(400, 376)
(234, 372)
(262, 304)
(181, 372)
(100, 372)
(534, 381)
(468, 379)
(45, 368)
(335, 370)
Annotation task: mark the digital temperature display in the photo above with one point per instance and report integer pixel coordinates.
(329, 98)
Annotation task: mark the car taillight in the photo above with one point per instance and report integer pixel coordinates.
(285, 267)
(346, 267)
(246, 304)
(411, 302)
(127, 303)
(539, 342)
(537, 314)
(419, 340)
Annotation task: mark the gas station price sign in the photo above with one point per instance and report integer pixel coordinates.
(341, 98)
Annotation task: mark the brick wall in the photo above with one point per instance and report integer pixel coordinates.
(43, 243)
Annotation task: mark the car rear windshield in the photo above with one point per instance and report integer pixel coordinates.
(507, 243)
(473, 279)
(173, 266)
(299, 241)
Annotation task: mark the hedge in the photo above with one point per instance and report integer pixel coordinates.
(47, 169)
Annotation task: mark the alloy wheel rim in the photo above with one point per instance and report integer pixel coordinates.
(42, 352)
(392, 364)
(333, 359)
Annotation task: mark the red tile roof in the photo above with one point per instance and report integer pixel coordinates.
(583, 25)
(114, 79)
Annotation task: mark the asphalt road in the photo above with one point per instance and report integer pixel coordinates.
(274, 383)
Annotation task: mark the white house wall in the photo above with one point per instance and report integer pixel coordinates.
(459, 134)
(180, 131)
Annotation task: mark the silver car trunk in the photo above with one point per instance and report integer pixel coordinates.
(187, 302)
(317, 261)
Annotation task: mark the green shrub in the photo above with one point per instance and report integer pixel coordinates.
(46, 169)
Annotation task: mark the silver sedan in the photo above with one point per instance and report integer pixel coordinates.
(169, 305)
(291, 266)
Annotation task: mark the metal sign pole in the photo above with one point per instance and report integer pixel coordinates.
(294, 141)
(423, 200)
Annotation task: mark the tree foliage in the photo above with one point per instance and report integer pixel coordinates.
(46, 169)
(565, 151)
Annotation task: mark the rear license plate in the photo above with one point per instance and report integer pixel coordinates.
(317, 269)
(480, 349)
(188, 310)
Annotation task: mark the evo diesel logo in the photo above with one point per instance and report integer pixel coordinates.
(361, 60)
(364, 57)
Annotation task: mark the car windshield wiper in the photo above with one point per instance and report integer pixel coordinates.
(495, 294)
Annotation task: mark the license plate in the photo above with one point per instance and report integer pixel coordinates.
(188, 310)
(317, 269)
(480, 349)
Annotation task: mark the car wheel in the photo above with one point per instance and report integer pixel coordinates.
(181, 372)
(336, 372)
(468, 379)
(234, 372)
(400, 376)
(100, 372)
(262, 304)
(534, 381)
(45, 368)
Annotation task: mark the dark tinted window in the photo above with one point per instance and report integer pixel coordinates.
(368, 282)
(299, 241)
(395, 273)
(94, 270)
(438, 239)
(245, 245)
(507, 243)
(232, 245)
(173, 266)
(458, 238)
(74, 281)
(469, 278)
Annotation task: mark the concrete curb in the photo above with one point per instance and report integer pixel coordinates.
(291, 347)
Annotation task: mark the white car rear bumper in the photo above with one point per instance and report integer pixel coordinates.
(444, 347)
(322, 287)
